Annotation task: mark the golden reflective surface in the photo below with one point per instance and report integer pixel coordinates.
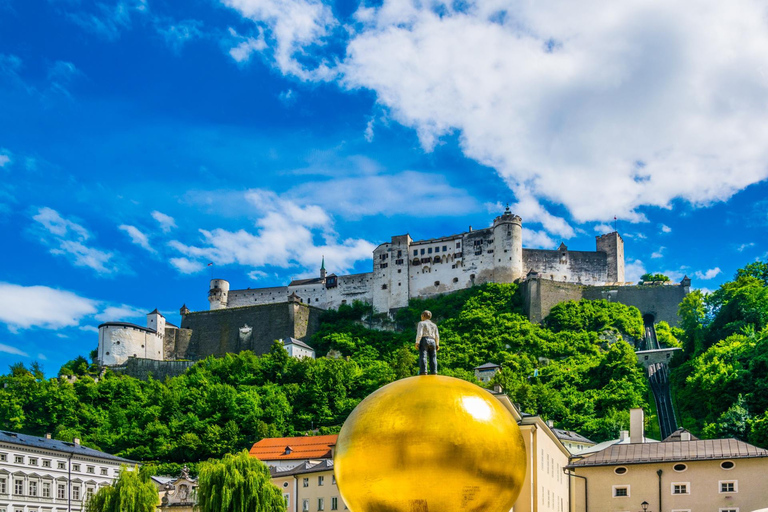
(430, 444)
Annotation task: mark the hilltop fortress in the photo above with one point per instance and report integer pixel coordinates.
(403, 269)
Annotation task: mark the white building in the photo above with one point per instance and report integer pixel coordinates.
(119, 341)
(485, 372)
(298, 349)
(39, 474)
(405, 268)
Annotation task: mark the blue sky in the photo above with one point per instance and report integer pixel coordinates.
(142, 139)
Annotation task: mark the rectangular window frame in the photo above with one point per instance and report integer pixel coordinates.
(76, 492)
(334, 503)
(3, 457)
(320, 480)
(61, 491)
(45, 490)
(46, 463)
(729, 509)
(32, 461)
(61, 465)
(18, 459)
(305, 505)
(320, 504)
(721, 483)
(687, 488)
(32, 488)
(616, 488)
(18, 487)
(3, 486)
(305, 482)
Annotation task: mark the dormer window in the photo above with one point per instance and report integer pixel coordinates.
(288, 450)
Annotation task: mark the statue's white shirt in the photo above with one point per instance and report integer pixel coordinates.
(429, 329)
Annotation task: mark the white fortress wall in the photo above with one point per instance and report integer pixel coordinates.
(350, 288)
(118, 342)
(257, 296)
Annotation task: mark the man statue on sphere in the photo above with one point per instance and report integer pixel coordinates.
(427, 343)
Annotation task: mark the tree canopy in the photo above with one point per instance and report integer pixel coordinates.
(132, 491)
(237, 483)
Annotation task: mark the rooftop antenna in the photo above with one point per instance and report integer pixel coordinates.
(615, 224)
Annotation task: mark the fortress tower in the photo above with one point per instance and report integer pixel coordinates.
(508, 245)
(218, 294)
(613, 246)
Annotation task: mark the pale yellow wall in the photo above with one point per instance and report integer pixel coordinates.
(546, 487)
(298, 493)
(703, 478)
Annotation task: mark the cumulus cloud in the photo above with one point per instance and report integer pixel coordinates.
(659, 253)
(179, 33)
(122, 312)
(167, 223)
(537, 239)
(67, 238)
(633, 270)
(292, 25)
(5, 158)
(664, 228)
(244, 47)
(23, 307)
(286, 235)
(602, 107)
(709, 274)
(404, 193)
(137, 237)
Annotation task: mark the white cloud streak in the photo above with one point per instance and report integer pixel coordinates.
(23, 307)
(137, 237)
(709, 274)
(67, 238)
(167, 223)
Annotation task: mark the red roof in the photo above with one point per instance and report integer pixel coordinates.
(292, 448)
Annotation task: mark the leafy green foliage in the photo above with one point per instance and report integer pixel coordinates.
(654, 278)
(133, 491)
(587, 377)
(237, 483)
(721, 382)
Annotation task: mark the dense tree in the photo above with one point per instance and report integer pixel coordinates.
(133, 491)
(653, 278)
(237, 483)
(586, 378)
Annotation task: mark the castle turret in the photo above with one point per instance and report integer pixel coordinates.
(156, 322)
(508, 247)
(613, 246)
(218, 294)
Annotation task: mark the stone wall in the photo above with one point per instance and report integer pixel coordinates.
(176, 341)
(218, 332)
(540, 295)
(567, 266)
(159, 370)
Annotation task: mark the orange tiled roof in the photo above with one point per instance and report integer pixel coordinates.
(292, 448)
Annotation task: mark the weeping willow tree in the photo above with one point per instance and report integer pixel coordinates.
(237, 483)
(133, 491)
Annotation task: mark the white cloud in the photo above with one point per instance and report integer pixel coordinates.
(109, 20)
(292, 26)
(633, 270)
(23, 307)
(602, 107)
(122, 312)
(369, 130)
(41, 356)
(245, 46)
(137, 237)
(709, 274)
(603, 229)
(5, 158)
(167, 223)
(186, 266)
(537, 239)
(287, 97)
(664, 228)
(286, 236)
(61, 74)
(743, 247)
(405, 193)
(659, 253)
(12, 350)
(177, 34)
(67, 238)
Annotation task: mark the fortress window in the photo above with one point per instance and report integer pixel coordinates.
(429, 251)
(437, 283)
(415, 252)
(399, 262)
(458, 245)
(399, 254)
(455, 279)
(399, 270)
(384, 265)
(117, 343)
(107, 354)
(437, 249)
(383, 287)
(490, 251)
(422, 252)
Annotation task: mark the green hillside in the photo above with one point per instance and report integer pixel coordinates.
(576, 370)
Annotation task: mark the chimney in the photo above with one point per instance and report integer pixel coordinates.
(636, 426)
(550, 423)
(76, 441)
(48, 436)
(497, 388)
(624, 435)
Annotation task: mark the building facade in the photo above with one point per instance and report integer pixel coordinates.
(40, 474)
(678, 474)
(309, 487)
(404, 268)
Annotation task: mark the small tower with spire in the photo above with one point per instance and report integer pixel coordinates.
(322, 269)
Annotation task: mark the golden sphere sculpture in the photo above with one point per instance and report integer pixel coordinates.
(430, 444)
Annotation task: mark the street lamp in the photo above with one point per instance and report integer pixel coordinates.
(644, 505)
